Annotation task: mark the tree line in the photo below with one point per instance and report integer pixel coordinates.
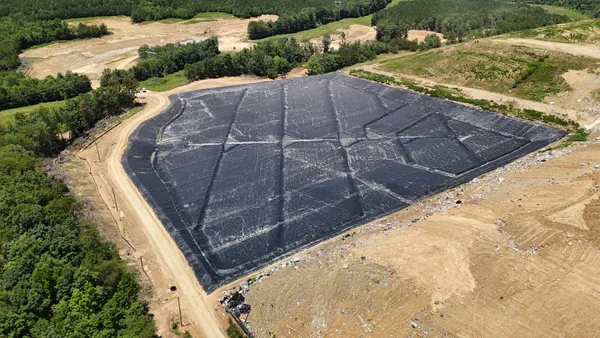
(18, 33)
(309, 18)
(18, 90)
(350, 54)
(462, 19)
(148, 10)
(45, 132)
(58, 278)
(269, 58)
(158, 61)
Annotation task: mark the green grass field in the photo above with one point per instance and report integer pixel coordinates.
(511, 70)
(200, 17)
(7, 116)
(572, 14)
(162, 84)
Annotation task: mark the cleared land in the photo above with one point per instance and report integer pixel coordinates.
(498, 66)
(119, 50)
(517, 258)
(243, 175)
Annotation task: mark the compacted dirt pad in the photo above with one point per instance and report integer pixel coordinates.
(243, 175)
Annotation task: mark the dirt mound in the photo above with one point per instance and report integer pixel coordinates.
(119, 50)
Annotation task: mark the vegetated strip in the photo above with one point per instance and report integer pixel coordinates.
(577, 133)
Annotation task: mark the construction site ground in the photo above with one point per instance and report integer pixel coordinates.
(515, 253)
(119, 50)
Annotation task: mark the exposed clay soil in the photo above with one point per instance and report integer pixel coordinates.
(119, 50)
(420, 35)
(585, 50)
(353, 33)
(518, 257)
(366, 33)
(581, 98)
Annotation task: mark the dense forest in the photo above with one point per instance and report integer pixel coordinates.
(309, 18)
(591, 7)
(158, 61)
(18, 33)
(265, 59)
(18, 90)
(461, 19)
(58, 278)
(142, 10)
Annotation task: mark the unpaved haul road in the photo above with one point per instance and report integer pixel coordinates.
(170, 258)
(167, 251)
(583, 50)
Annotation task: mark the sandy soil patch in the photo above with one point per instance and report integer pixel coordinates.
(580, 98)
(119, 50)
(497, 264)
(352, 34)
(420, 35)
(585, 50)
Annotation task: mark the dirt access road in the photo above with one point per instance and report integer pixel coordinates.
(575, 49)
(119, 50)
(164, 264)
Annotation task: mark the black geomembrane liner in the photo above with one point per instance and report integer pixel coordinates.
(243, 175)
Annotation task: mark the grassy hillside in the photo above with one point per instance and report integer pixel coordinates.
(512, 70)
(7, 116)
(572, 14)
(587, 32)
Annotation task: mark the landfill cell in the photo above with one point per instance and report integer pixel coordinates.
(241, 176)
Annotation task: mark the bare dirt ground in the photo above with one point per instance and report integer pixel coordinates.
(575, 49)
(513, 254)
(581, 98)
(119, 50)
(366, 33)
(420, 35)
(132, 221)
(353, 33)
